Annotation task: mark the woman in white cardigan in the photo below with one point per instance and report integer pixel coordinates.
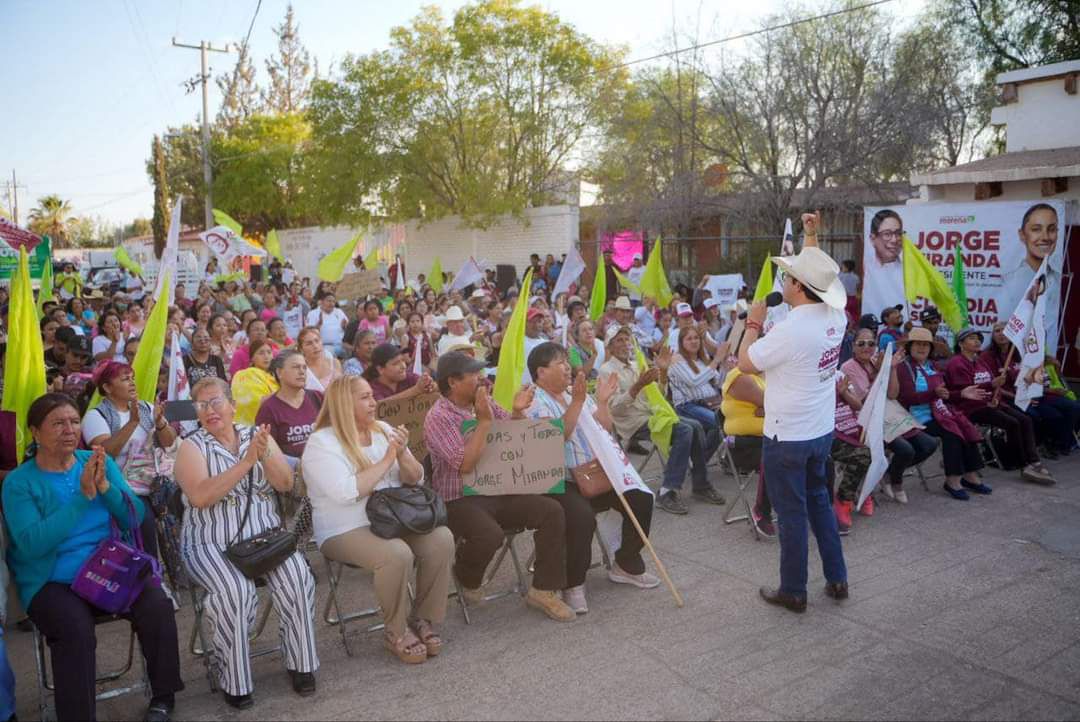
(349, 456)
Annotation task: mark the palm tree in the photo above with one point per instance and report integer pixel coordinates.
(50, 218)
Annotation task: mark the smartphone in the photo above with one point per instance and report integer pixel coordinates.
(180, 411)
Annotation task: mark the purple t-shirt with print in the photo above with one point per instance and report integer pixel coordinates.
(290, 427)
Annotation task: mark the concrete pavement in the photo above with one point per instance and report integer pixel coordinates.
(958, 611)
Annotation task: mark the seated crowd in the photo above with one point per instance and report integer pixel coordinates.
(287, 387)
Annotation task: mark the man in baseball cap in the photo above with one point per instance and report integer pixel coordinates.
(798, 359)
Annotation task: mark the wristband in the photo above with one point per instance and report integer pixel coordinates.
(752, 325)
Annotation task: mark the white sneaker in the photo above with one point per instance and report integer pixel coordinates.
(887, 490)
(574, 597)
(901, 496)
(641, 581)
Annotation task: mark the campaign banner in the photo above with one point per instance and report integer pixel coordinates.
(725, 288)
(1003, 244)
(39, 254)
(226, 245)
(624, 245)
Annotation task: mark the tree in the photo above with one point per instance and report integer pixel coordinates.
(259, 171)
(240, 94)
(476, 117)
(50, 218)
(91, 232)
(1011, 34)
(138, 227)
(160, 222)
(182, 149)
(290, 72)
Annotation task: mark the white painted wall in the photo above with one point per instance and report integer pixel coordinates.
(1044, 117)
(1028, 190)
(549, 229)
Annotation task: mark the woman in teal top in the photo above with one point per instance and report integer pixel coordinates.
(57, 507)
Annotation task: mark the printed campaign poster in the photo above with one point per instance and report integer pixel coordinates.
(1002, 244)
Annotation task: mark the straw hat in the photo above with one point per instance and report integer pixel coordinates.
(454, 314)
(622, 303)
(813, 268)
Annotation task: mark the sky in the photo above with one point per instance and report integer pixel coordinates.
(90, 83)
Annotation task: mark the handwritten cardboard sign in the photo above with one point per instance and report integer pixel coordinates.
(522, 456)
(409, 413)
(358, 285)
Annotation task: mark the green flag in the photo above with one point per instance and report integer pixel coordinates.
(127, 262)
(224, 219)
(626, 282)
(654, 281)
(663, 419)
(765, 280)
(435, 279)
(24, 370)
(45, 293)
(959, 288)
(332, 266)
(512, 356)
(273, 245)
(147, 363)
(598, 300)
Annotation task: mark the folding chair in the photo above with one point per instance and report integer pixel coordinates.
(743, 454)
(198, 634)
(986, 443)
(521, 583)
(47, 688)
(341, 620)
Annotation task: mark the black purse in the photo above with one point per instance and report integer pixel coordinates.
(402, 510)
(263, 553)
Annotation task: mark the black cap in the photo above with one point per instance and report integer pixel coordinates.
(79, 345)
(870, 321)
(384, 353)
(455, 363)
(931, 314)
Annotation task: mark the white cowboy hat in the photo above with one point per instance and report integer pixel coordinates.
(622, 303)
(454, 313)
(816, 270)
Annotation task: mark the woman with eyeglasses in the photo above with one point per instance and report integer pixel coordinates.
(220, 468)
(910, 448)
(323, 367)
(58, 506)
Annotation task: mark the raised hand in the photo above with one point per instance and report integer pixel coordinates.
(101, 482)
(606, 389)
(580, 389)
(133, 409)
(88, 479)
(811, 223)
(483, 405)
(663, 359)
(758, 311)
(523, 398)
(898, 357)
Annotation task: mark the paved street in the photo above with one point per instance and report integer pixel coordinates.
(958, 611)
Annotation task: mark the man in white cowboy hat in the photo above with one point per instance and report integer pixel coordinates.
(798, 359)
(456, 332)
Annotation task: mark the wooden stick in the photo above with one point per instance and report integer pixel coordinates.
(648, 545)
(1004, 370)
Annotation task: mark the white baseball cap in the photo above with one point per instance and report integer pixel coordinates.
(683, 310)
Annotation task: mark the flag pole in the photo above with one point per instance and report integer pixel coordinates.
(652, 552)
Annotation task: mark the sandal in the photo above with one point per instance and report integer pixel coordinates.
(428, 636)
(407, 648)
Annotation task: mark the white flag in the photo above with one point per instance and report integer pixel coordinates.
(418, 362)
(170, 255)
(470, 274)
(226, 245)
(776, 314)
(1027, 331)
(572, 268)
(178, 381)
(872, 420)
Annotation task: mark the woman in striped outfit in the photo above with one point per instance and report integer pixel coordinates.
(214, 467)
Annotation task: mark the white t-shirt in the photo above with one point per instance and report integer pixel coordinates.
(94, 425)
(635, 274)
(799, 358)
(331, 483)
(332, 329)
(851, 283)
(293, 318)
(101, 345)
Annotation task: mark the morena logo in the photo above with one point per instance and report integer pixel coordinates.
(956, 219)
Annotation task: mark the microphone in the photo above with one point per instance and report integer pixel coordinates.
(773, 299)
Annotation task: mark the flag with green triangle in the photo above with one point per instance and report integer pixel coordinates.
(512, 359)
(45, 292)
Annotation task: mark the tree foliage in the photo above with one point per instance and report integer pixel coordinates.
(290, 70)
(51, 217)
(159, 224)
(477, 116)
(1011, 34)
(239, 92)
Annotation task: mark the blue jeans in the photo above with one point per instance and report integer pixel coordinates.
(687, 449)
(796, 481)
(703, 420)
(1055, 418)
(7, 682)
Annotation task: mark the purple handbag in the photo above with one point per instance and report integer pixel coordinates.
(116, 573)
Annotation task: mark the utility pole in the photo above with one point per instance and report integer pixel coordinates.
(204, 77)
(13, 187)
